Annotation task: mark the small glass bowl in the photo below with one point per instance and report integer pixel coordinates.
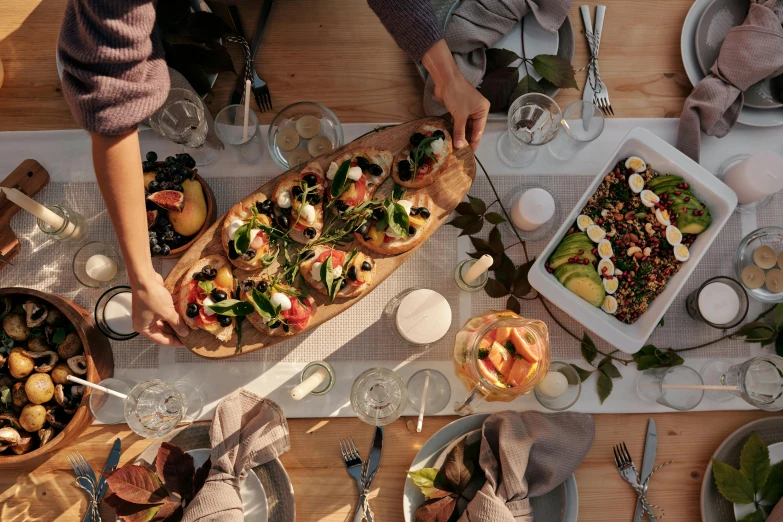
(95, 248)
(330, 127)
(462, 269)
(770, 236)
(571, 395)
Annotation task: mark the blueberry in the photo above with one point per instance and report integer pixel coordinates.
(296, 191)
(352, 274)
(417, 138)
(310, 179)
(283, 222)
(218, 295)
(188, 161)
(309, 233)
(341, 205)
(165, 250)
(313, 198)
(155, 249)
(262, 286)
(376, 170)
(154, 186)
(363, 163)
(249, 255)
(224, 320)
(171, 161)
(146, 166)
(439, 134)
(192, 310)
(423, 212)
(366, 266)
(411, 231)
(152, 157)
(378, 213)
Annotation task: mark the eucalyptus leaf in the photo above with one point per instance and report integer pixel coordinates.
(555, 69)
(605, 386)
(732, 484)
(754, 461)
(339, 182)
(232, 308)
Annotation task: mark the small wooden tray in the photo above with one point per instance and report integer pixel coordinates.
(446, 194)
(29, 177)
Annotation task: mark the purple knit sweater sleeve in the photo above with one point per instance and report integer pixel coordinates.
(114, 71)
(411, 22)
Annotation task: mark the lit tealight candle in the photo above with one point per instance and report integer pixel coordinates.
(718, 303)
(765, 256)
(423, 317)
(101, 268)
(780, 260)
(774, 281)
(554, 385)
(753, 277)
(117, 314)
(534, 207)
(308, 126)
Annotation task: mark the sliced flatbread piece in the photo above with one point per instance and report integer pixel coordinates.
(421, 220)
(375, 167)
(358, 275)
(189, 292)
(305, 219)
(430, 169)
(259, 243)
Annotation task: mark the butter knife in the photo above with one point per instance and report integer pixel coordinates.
(111, 465)
(588, 93)
(372, 468)
(650, 449)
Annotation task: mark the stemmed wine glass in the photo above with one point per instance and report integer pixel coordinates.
(533, 120)
(759, 381)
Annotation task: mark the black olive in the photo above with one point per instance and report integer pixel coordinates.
(246, 285)
(265, 207)
(414, 211)
(363, 230)
(287, 210)
(192, 310)
(341, 205)
(313, 198)
(376, 170)
(404, 175)
(378, 213)
(366, 266)
(309, 233)
(363, 163)
(411, 231)
(209, 273)
(417, 138)
(404, 166)
(306, 254)
(232, 252)
(296, 191)
(343, 283)
(224, 320)
(351, 274)
(262, 286)
(439, 134)
(423, 212)
(367, 238)
(273, 324)
(249, 255)
(286, 328)
(283, 221)
(198, 276)
(218, 295)
(310, 179)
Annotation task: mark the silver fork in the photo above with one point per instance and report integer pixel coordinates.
(85, 478)
(355, 468)
(627, 470)
(601, 92)
(260, 89)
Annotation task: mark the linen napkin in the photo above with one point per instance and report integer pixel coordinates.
(247, 431)
(524, 455)
(477, 24)
(751, 52)
(777, 513)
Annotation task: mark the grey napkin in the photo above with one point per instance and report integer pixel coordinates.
(478, 24)
(777, 513)
(247, 431)
(751, 52)
(524, 455)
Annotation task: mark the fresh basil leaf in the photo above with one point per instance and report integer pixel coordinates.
(232, 308)
(327, 274)
(262, 304)
(349, 259)
(340, 177)
(59, 336)
(399, 192)
(398, 221)
(207, 286)
(242, 238)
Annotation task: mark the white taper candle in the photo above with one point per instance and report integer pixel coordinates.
(478, 268)
(309, 384)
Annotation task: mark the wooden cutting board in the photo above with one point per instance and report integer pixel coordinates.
(29, 177)
(446, 193)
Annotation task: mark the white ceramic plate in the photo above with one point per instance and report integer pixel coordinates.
(665, 159)
(434, 452)
(775, 456)
(748, 116)
(250, 489)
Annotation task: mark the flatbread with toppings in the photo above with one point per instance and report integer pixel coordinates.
(426, 159)
(298, 198)
(351, 274)
(368, 168)
(385, 235)
(244, 241)
(208, 282)
(278, 311)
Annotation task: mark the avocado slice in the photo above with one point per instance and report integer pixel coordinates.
(569, 269)
(576, 238)
(559, 259)
(667, 179)
(587, 286)
(690, 224)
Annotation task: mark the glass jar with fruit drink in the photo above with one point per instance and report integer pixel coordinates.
(499, 356)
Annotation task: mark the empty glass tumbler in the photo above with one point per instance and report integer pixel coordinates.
(582, 122)
(182, 119)
(230, 128)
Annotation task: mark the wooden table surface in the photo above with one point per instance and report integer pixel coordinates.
(337, 53)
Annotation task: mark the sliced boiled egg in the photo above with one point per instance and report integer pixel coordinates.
(610, 305)
(673, 235)
(280, 300)
(605, 268)
(635, 164)
(605, 249)
(583, 222)
(596, 233)
(649, 198)
(662, 215)
(611, 285)
(681, 253)
(636, 182)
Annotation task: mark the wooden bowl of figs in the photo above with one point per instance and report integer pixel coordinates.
(43, 339)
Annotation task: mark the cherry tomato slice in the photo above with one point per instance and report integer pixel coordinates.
(207, 319)
(361, 189)
(338, 257)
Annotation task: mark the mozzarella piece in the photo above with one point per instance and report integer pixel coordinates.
(681, 253)
(662, 215)
(315, 271)
(611, 285)
(605, 249)
(308, 212)
(392, 233)
(673, 235)
(284, 199)
(407, 205)
(583, 222)
(280, 300)
(437, 146)
(337, 271)
(208, 302)
(332, 170)
(234, 226)
(355, 173)
(596, 233)
(649, 198)
(610, 305)
(636, 182)
(635, 164)
(253, 233)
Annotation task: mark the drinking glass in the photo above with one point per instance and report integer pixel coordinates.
(430, 388)
(651, 387)
(759, 381)
(154, 408)
(533, 120)
(571, 394)
(574, 134)
(182, 119)
(113, 314)
(230, 128)
(700, 303)
(378, 396)
(107, 408)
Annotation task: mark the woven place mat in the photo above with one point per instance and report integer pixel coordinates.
(772, 214)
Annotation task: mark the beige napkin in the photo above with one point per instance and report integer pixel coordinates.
(751, 52)
(477, 24)
(777, 513)
(247, 431)
(524, 455)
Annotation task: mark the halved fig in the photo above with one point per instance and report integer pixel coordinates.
(170, 200)
(152, 216)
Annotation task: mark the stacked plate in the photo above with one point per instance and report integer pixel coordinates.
(706, 26)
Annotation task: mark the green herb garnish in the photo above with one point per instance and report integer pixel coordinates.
(206, 286)
(263, 305)
(59, 336)
(483, 353)
(339, 185)
(421, 151)
(399, 221)
(231, 308)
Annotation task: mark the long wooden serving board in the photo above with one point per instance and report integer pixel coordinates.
(446, 193)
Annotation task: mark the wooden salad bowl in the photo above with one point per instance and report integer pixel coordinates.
(209, 196)
(100, 365)
(446, 193)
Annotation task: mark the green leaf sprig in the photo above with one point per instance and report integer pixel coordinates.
(339, 183)
(231, 308)
(421, 151)
(243, 233)
(331, 281)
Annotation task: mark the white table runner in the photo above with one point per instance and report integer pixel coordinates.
(358, 340)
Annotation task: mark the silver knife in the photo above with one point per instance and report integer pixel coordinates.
(111, 465)
(372, 468)
(588, 94)
(650, 448)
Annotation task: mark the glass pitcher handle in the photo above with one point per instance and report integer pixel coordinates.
(472, 401)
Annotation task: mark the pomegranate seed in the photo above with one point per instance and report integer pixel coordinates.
(603, 270)
(546, 264)
(665, 195)
(686, 186)
(594, 251)
(581, 252)
(585, 261)
(613, 259)
(687, 198)
(677, 193)
(600, 221)
(550, 270)
(627, 302)
(685, 210)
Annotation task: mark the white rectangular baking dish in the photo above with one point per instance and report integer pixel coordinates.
(664, 159)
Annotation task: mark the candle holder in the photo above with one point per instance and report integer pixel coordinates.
(750, 208)
(326, 386)
(542, 232)
(96, 265)
(459, 277)
(692, 303)
(420, 307)
(744, 258)
(110, 310)
(73, 228)
(571, 394)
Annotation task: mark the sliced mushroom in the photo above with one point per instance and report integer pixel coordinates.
(57, 417)
(38, 344)
(35, 314)
(9, 420)
(48, 360)
(78, 365)
(65, 399)
(78, 391)
(19, 395)
(25, 444)
(46, 434)
(9, 437)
